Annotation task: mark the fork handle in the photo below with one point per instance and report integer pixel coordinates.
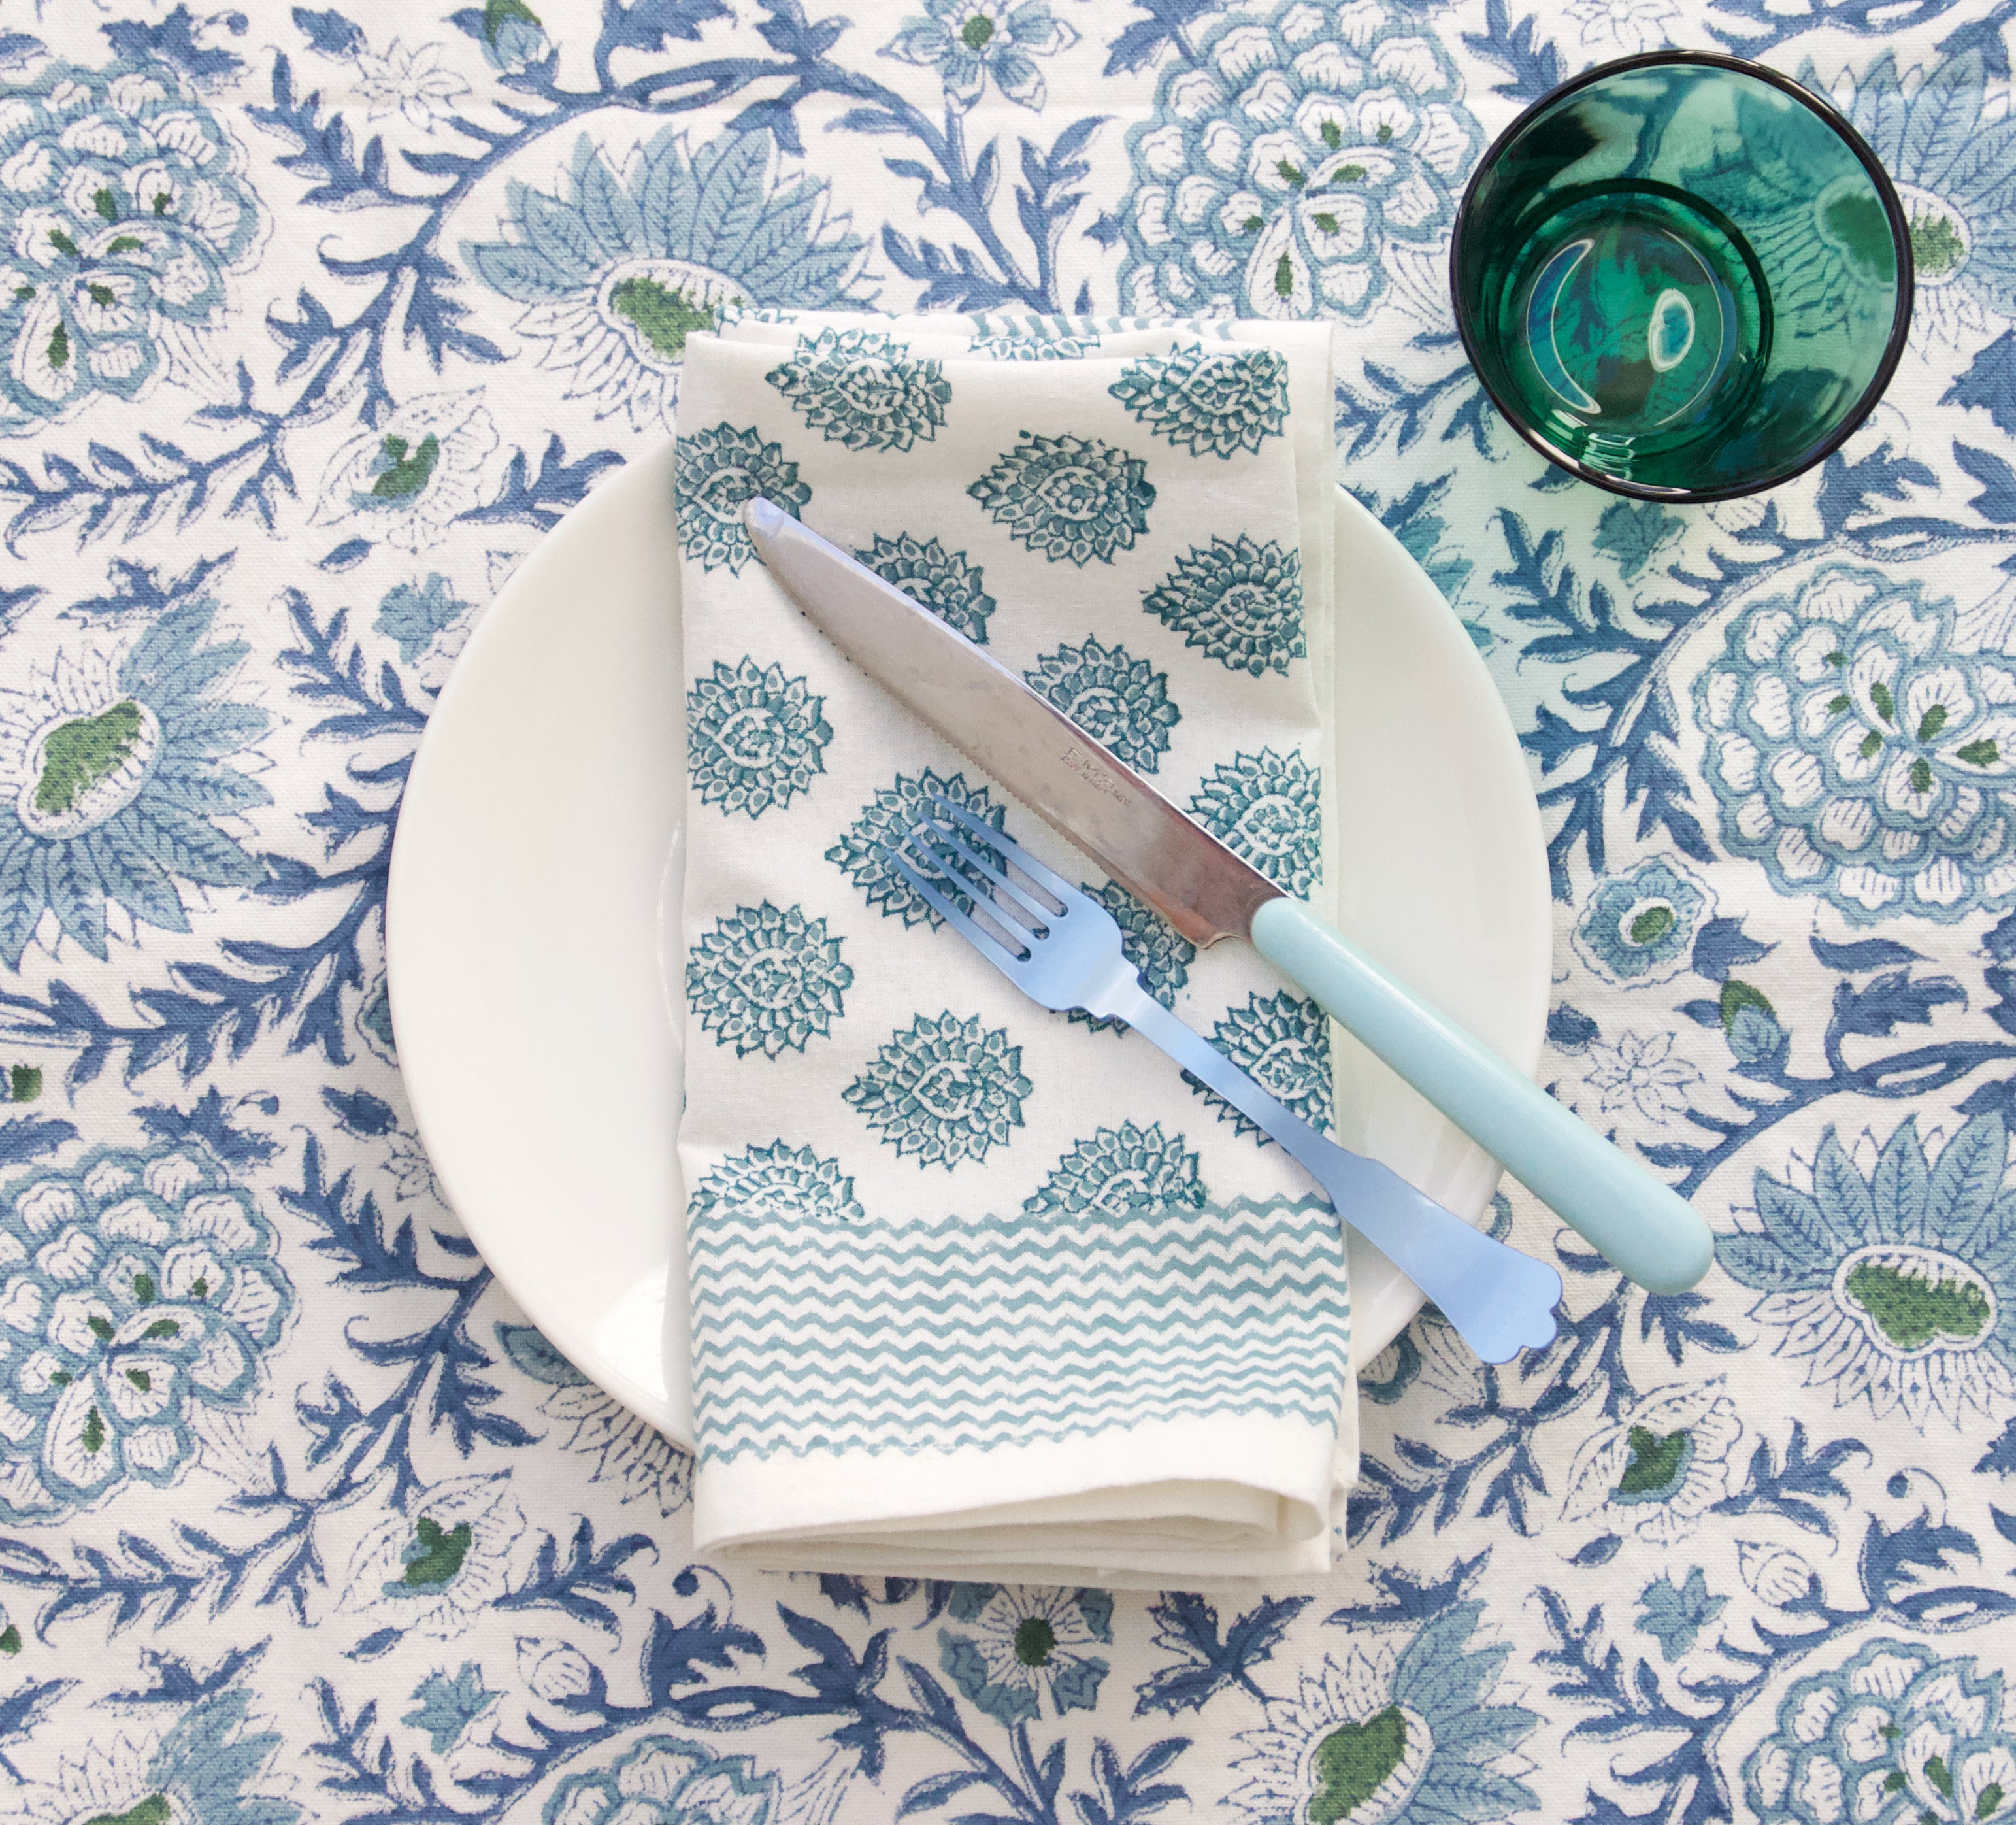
(1499, 1300)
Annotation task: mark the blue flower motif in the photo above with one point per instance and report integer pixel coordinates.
(713, 473)
(444, 1707)
(666, 1780)
(115, 785)
(1895, 1735)
(1116, 699)
(1068, 497)
(409, 478)
(792, 1185)
(754, 737)
(1218, 402)
(945, 1089)
(1897, 1281)
(1674, 1615)
(1268, 808)
(1857, 754)
(1952, 159)
(139, 1291)
(1283, 1043)
(1017, 1642)
(1162, 953)
(1292, 166)
(1639, 927)
(1398, 1734)
(943, 580)
(859, 389)
(1123, 1171)
(121, 215)
(1660, 1466)
(213, 1766)
(967, 41)
(765, 980)
(413, 614)
(618, 272)
(886, 822)
(1240, 600)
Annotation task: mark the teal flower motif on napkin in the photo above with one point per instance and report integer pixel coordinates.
(1283, 1043)
(1209, 404)
(1858, 753)
(754, 737)
(1639, 926)
(1020, 1642)
(943, 580)
(1068, 498)
(1161, 953)
(713, 473)
(946, 1090)
(140, 1292)
(884, 823)
(1115, 697)
(1240, 601)
(666, 1780)
(117, 785)
(1122, 1170)
(856, 388)
(1897, 1283)
(765, 980)
(1895, 1734)
(788, 1183)
(1268, 808)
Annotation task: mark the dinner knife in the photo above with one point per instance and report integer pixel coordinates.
(1207, 893)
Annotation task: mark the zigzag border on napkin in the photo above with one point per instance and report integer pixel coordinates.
(964, 1333)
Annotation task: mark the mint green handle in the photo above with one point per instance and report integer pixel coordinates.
(1644, 1230)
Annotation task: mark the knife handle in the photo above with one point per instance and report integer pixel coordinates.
(1643, 1229)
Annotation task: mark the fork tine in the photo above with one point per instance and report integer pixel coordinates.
(1000, 839)
(990, 947)
(929, 837)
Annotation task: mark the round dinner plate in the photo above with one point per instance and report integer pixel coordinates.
(535, 954)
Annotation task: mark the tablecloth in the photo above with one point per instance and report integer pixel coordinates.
(316, 318)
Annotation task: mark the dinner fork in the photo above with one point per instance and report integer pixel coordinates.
(1062, 949)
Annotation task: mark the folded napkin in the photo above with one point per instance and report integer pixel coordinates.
(979, 1290)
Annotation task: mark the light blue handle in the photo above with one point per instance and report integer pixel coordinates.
(1644, 1230)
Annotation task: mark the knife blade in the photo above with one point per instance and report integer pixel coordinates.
(1162, 856)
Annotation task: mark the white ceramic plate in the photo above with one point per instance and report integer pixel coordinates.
(535, 949)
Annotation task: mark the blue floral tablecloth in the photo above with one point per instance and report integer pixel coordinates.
(314, 319)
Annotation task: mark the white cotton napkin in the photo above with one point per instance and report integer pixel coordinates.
(979, 1290)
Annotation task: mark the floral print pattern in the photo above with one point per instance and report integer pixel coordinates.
(943, 580)
(857, 389)
(1283, 1043)
(754, 737)
(1857, 753)
(861, 851)
(122, 216)
(946, 1091)
(1263, 806)
(1068, 498)
(766, 979)
(1240, 600)
(618, 269)
(1116, 699)
(1218, 402)
(420, 282)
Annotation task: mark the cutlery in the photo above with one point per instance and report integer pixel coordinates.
(1062, 949)
(1207, 893)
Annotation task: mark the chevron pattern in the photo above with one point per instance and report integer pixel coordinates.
(831, 1336)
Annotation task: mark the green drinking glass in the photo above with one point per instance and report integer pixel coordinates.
(1681, 276)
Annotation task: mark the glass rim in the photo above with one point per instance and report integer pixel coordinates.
(1844, 129)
